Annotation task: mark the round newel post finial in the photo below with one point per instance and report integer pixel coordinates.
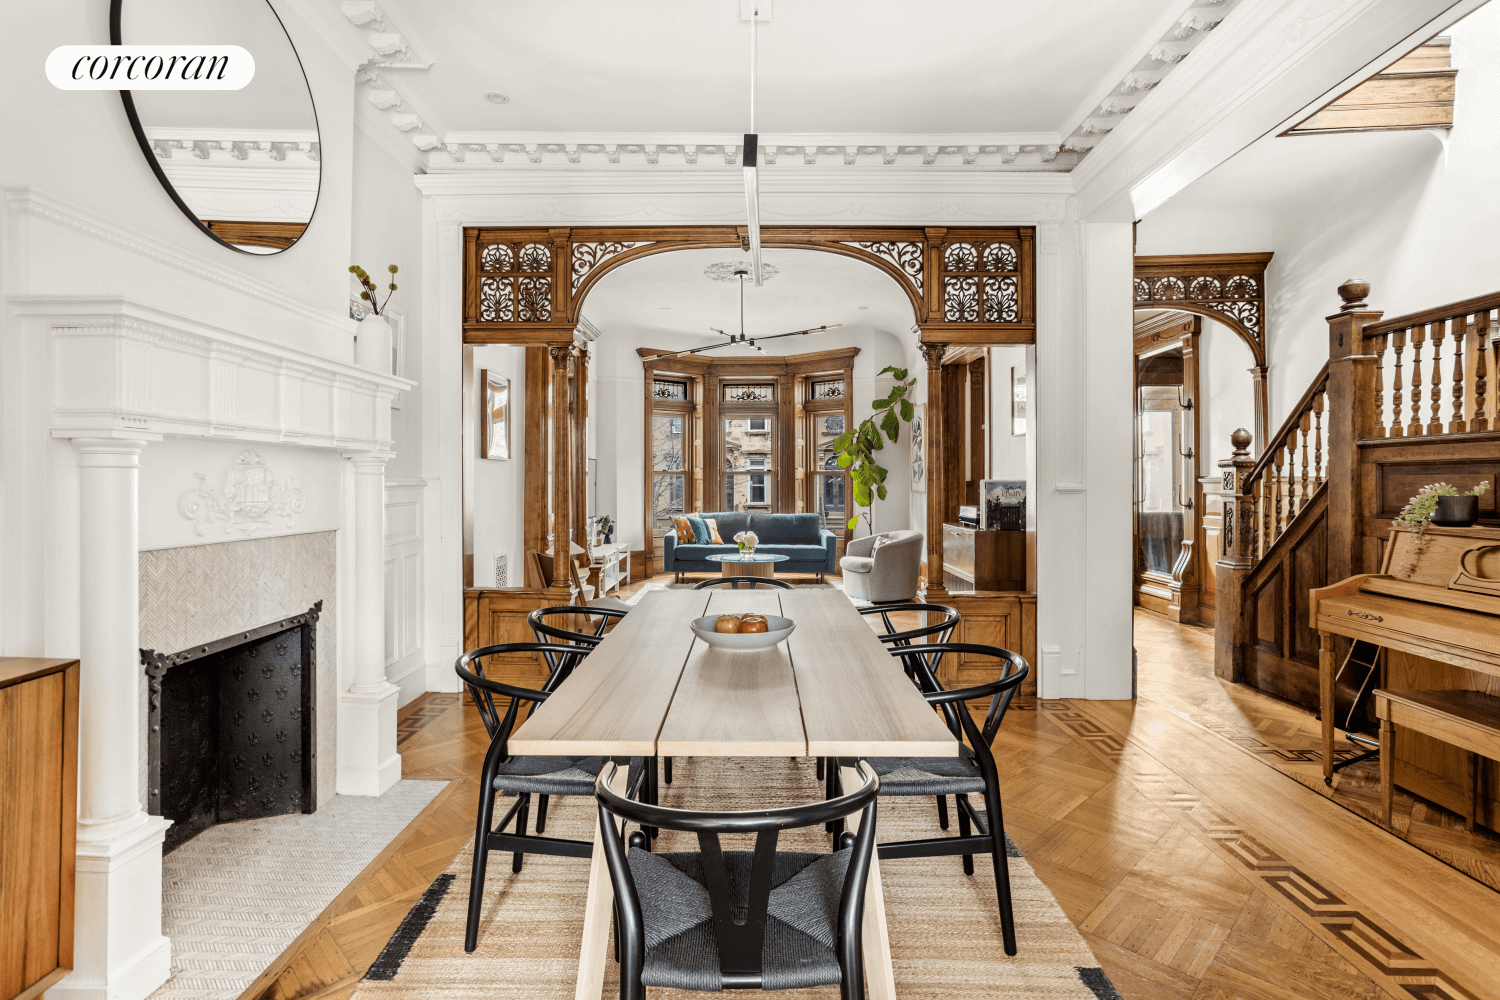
(1241, 441)
(1353, 292)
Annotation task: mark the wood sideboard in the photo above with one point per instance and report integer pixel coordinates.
(38, 819)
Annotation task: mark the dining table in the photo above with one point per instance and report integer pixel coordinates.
(652, 688)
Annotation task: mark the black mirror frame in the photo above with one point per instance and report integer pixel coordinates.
(115, 36)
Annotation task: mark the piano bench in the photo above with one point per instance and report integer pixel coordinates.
(1466, 719)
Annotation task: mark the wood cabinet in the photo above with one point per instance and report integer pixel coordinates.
(983, 560)
(38, 817)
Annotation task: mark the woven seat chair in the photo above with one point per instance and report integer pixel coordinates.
(972, 772)
(713, 919)
(753, 581)
(518, 775)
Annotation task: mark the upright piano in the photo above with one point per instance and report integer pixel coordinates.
(1436, 598)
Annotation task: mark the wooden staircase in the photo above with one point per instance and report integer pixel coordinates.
(1317, 505)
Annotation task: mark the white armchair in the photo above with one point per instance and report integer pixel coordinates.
(883, 567)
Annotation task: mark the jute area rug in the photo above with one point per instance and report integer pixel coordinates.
(944, 926)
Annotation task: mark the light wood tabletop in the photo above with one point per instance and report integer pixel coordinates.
(618, 696)
(651, 688)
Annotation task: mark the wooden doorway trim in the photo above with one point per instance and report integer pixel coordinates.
(1229, 288)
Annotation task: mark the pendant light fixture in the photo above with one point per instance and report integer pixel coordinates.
(748, 159)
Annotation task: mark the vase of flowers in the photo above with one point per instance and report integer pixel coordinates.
(1441, 504)
(747, 541)
(372, 345)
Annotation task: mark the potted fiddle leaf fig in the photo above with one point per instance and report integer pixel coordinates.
(857, 447)
(372, 346)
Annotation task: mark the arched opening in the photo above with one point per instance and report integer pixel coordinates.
(1196, 379)
(574, 323)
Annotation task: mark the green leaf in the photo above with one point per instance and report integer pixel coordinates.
(890, 425)
(907, 410)
(862, 496)
(899, 373)
(853, 522)
(881, 404)
(880, 492)
(844, 461)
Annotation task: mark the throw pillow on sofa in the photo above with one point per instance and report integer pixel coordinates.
(713, 531)
(701, 534)
(684, 529)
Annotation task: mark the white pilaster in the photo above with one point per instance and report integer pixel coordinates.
(1108, 270)
(368, 761)
(119, 950)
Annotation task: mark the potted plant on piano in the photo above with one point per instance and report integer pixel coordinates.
(1441, 504)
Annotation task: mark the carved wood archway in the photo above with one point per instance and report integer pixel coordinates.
(527, 285)
(967, 285)
(1229, 288)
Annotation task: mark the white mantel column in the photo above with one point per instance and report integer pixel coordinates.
(368, 762)
(119, 952)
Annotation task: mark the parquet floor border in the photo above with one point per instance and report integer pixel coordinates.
(1364, 938)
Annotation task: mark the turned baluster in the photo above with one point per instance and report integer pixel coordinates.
(1318, 474)
(1303, 428)
(1276, 492)
(1263, 501)
(1398, 344)
(1291, 475)
(1435, 425)
(1458, 424)
(1418, 334)
(1379, 345)
(1481, 339)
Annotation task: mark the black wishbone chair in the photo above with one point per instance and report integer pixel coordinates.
(713, 919)
(753, 581)
(560, 662)
(939, 632)
(523, 776)
(972, 772)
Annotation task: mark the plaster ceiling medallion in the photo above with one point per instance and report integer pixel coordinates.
(730, 270)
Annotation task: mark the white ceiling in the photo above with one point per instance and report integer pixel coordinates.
(849, 67)
(667, 293)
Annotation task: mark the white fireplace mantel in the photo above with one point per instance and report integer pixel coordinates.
(123, 366)
(118, 375)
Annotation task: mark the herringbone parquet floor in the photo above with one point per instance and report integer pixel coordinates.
(1192, 868)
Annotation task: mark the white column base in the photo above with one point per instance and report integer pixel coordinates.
(119, 952)
(368, 761)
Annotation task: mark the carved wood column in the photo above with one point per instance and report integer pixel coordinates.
(1261, 400)
(937, 498)
(563, 358)
(580, 410)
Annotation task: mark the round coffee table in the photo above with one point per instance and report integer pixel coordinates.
(736, 564)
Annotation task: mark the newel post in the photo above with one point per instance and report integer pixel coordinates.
(1350, 419)
(1236, 559)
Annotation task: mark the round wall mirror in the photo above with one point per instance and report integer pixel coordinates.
(242, 164)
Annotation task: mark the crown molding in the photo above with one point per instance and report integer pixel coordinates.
(1249, 77)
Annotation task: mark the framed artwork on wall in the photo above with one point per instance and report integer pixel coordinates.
(919, 449)
(1017, 402)
(494, 421)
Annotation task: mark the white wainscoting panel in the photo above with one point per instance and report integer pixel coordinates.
(403, 586)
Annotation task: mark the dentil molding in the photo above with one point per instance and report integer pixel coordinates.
(120, 366)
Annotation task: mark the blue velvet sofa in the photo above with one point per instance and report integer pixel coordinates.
(811, 548)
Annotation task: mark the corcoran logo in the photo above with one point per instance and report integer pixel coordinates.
(150, 67)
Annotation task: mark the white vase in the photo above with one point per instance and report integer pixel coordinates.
(372, 345)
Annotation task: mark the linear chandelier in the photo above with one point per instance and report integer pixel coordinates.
(741, 338)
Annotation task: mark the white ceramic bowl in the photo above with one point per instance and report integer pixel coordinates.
(777, 628)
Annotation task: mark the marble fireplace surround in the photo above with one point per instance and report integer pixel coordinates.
(199, 593)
